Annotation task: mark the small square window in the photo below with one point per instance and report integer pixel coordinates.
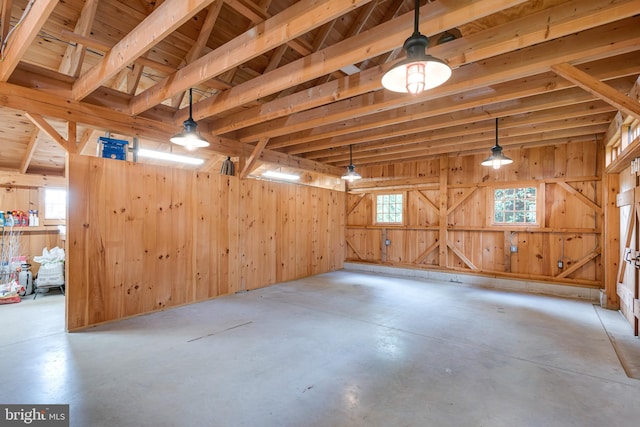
(515, 205)
(55, 203)
(389, 209)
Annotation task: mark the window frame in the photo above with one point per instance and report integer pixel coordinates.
(403, 204)
(492, 201)
(43, 211)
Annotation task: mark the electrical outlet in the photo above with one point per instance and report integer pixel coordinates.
(514, 248)
(387, 242)
(560, 264)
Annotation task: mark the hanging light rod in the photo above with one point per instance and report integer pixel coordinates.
(190, 138)
(496, 159)
(418, 71)
(351, 174)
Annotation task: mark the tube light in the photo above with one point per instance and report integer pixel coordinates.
(161, 155)
(281, 175)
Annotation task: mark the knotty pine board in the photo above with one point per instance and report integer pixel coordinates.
(145, 238)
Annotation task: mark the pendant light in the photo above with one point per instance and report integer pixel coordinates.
(497, 159)
(418, 71)
(351, 174)
(190, 138)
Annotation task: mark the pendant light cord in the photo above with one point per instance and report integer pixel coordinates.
(496, 131)
(190, 103)
(416, 18)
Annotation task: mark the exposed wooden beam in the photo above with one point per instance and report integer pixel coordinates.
(253, 157)
(560, 105)
(468, 192)
(426, 252)
(23, 35)
(289, 24)
(565, 19)
(31, 148)
(74, 55)
(106, 119)
(98, 45)
(5, 23)
(47, 129)
(200, 44)
(576, 266)
(257, 15)
(161, 22)
(72, 130)
(86, 137)
(462, 256)
(370, 43)
(622, 37)
(16, 179)
(599, 89)
(584, 199)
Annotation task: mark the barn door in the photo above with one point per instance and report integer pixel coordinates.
(629, 272)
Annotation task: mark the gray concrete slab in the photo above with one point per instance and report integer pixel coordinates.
(337, 349)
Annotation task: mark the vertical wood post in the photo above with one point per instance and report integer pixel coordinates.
(611, 245)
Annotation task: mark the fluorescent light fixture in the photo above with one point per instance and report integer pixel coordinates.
(161, 155)
(281, 175)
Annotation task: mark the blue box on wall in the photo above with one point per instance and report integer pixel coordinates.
(113, 148)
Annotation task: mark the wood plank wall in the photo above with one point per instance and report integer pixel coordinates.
(143, 238)
(449, 216)
(32, 241)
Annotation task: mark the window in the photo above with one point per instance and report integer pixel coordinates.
(514, 206)
(389, 209)
(55, 203)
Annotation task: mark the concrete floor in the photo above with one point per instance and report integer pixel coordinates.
(338, 349)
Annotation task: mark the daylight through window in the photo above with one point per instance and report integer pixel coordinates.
(55, 203)
(514, 205)
(389, 208)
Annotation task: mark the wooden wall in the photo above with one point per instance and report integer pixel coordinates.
(33, 239)
(449, 216)
(144, 238)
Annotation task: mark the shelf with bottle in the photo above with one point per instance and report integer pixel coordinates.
(18, 218)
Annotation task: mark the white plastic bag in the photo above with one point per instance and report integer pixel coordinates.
(50, 256)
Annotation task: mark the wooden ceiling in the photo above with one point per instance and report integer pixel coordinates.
(295, 83)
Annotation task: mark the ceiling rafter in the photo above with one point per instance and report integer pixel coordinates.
(22, 36)
(515, 97)
(349, 87)
(5, 23)
(213, 11)
(160, 23)
(31, 148)
(381, 39)
(584, 47)
(283, 27)
(74, 55)
(599, 89)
